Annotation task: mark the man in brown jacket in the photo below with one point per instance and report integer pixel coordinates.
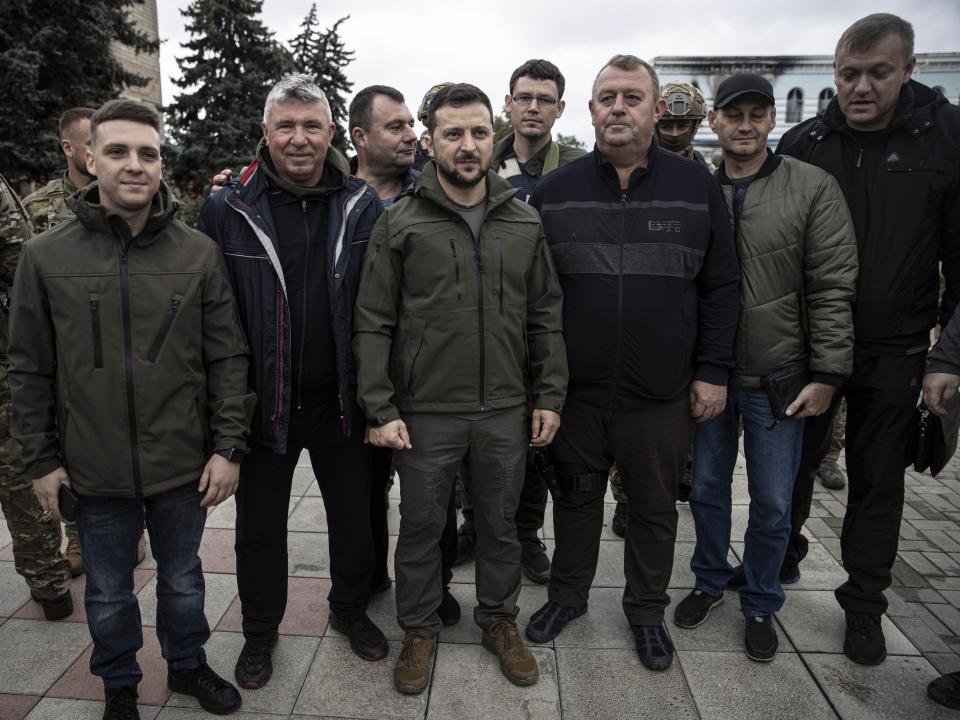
(129, 386)
(798, 262)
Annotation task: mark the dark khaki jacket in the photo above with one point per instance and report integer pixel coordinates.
(798, 261)
(444, 324)
(128, 362)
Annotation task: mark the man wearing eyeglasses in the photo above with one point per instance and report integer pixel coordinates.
(534, 104)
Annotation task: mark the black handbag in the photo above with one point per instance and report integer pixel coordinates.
(935, 438)
(782, 388)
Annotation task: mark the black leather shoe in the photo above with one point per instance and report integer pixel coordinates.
(694, 609)
(534, 560)
(449, 610)
(547, 622)
(760, 638)
(945, 690)
(366, 640)
(255, 663)
(864, 642)
(619, 524)
(121, 704)
(653, 646)
(214, 694)
(58, 608)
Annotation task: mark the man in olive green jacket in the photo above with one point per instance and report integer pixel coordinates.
(129, 386)
(458, 306)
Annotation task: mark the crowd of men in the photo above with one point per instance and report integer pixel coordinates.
(442, 320)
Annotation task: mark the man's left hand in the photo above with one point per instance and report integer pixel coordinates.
(813, 400)
(219, 480)
(938, 390)
(706, 400)
(545, 424)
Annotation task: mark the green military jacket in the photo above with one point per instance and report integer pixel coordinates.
(48, 205)
(550, 157)
(444, 323)
(129, 365)
(14, 230)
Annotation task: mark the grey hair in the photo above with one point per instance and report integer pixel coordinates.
(630, 63)
(300, 87)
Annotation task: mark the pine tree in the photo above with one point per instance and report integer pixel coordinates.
(324, 55)
(232, 63)
(54, 56)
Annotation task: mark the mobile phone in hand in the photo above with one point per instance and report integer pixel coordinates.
(68, 503)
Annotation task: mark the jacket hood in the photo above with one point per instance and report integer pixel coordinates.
(336, 173)
(85, 203)
(914, 109)
(428, 187)
(769, 165)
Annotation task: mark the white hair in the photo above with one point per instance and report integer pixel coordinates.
(296, 86)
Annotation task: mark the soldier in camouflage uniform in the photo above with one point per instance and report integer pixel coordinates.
(829, 473)
(35, 534)
(48, 205)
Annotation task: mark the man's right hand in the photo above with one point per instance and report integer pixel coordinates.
(47, 490)
(392, 435)
(222, 178)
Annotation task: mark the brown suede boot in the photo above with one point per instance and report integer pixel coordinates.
(516, 662)
(411, 673)
(73, 549)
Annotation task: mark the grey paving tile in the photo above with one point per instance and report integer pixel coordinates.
(532, 597)
(176, 713)
(611, 684)
(815, 623)
(308, 554)
(291, 660)
(339, 684)
(302, 479)
(944, 583)
(925, 595)
(224, 515)
(451, 697)
(897, 606)
(4, 534)
(602, 626)
(819, 570)
(220, 591)
(308, 516)
(944, 662)
(920, 563)
(59, 709)
(921, 635)
(891, 691)
(13, 590)
(922, 611)
(729, 685)
(948, 615)
(951, 596)
(945, 563)
(942, 540)
(34, 653)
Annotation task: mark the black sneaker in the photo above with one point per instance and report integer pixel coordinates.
(214, 694)
(864, 641)
(121, 704)
(449, 610)
(466, 544)
(945, 690)
(760, 638)
(694, 609)
(366, 640)
(58, 608)
(255, 663)
(653, 646)
(534, 560)
(547, 622)
(788, 576)
(619, 524)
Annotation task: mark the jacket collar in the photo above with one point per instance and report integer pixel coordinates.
(771, 163)
(606, 168)
(533, 166)
(94, 216)
(914, 112)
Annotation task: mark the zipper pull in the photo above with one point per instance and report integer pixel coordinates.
(623, 199)
(303, 204)
(859, 157)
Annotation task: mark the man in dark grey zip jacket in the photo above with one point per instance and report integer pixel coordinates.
(293, 231)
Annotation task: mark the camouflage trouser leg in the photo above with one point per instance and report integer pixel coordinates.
(35, 534)
(616, 485)
(839, 430)
(70, 530)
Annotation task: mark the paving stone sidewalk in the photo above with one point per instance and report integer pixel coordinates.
(590, 672)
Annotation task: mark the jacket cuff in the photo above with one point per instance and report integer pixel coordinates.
(555, 404)
(829, 379)
(713, 374)
(227, 443)
(386, 415)
(44, 467)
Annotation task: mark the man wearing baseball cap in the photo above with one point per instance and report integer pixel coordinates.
(794, 346)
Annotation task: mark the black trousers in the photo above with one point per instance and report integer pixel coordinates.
(650, 448)
(881, 396)
(343, 467)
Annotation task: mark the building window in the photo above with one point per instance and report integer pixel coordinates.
(826, 95)
(794, 105)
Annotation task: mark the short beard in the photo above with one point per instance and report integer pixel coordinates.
(451, 175)
(81, 167)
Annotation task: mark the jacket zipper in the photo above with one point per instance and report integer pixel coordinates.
(456, 266)
(279, 367)
(303, 315)
(128, 369)
(859, 157)
(500, 256)
(97, 334)
(164, 329)
(483, 369)
(616, 357)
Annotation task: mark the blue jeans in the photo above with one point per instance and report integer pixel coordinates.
(109, 528)
(773, 456)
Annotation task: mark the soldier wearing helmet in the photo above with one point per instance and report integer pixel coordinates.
(681, 120)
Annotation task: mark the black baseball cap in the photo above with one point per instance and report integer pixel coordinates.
(743, 84)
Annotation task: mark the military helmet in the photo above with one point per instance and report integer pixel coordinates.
(428, 100)
(684, 102)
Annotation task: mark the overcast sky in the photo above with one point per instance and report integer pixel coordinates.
(415, 45)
